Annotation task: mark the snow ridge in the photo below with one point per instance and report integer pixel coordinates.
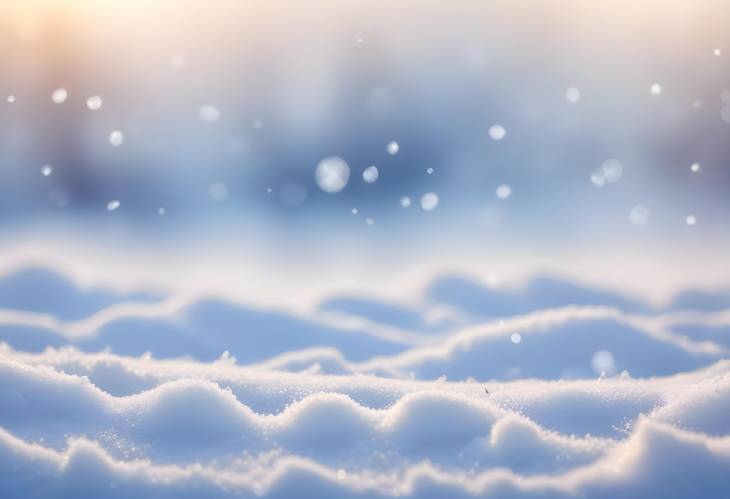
(195, 397)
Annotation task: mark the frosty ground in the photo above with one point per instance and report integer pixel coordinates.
(548, 390)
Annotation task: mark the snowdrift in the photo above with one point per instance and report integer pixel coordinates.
(167, 396)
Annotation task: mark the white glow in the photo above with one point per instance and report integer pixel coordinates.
(603, 362)
(59, 95)
(46, 170)
(639, 215)
(209, 114)
(504, 191)
(655, 89)
(392, 148)
(116, 138)
(598, 179)
(497, 132)
(612, 170)
(572, 95)
(370, 174)
(113, 205)
(332, 174)
(405, 201)
(94, 103)
(429, 201)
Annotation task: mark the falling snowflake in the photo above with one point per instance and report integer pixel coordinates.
(429, 201)
(370, 174)
(332, 174)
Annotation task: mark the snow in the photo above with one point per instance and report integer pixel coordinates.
(332, 174)
(639, 215)
(413, 250)
(572, 95)
(612, 170)
(429, 201)
(370, 174)
(59, 95)
(94, 103)
(209, 113)
(504, 191)
(195, 435)
(497, 132)
(127, 395)
(116, 138)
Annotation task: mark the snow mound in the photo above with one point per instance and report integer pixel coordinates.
(200, 397)
(657, 461)
(571, 338)
(602, 341)
(703, 407)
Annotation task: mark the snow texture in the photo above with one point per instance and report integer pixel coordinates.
(138, 395)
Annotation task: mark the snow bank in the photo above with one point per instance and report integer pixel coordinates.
(554, 344)
(656, 461)
(195, 397)
(506, 349)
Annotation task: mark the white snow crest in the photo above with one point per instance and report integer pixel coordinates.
(197, 397)
(187, 435)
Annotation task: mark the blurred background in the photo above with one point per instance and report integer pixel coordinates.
(179, 141)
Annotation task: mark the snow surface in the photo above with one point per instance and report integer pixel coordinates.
(105, 394)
